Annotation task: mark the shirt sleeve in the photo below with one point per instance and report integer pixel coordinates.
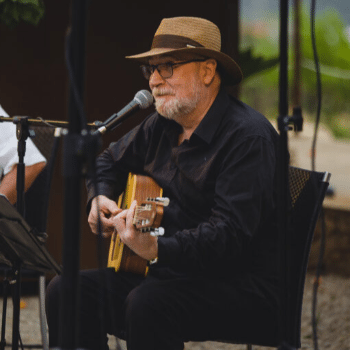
(8, 148)
(114, 164)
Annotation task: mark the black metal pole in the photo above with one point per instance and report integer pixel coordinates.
(73, 175)
(22, 131)
(16, 305)
(5, 284)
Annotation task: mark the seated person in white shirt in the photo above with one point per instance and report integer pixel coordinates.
(33, 160)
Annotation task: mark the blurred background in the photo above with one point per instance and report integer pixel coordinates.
(259, 44)
(34, 82)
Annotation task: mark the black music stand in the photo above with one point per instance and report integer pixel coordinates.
(21, 248)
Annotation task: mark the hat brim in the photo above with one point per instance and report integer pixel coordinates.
(233, 74)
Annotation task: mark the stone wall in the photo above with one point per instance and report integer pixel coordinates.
(337, 242)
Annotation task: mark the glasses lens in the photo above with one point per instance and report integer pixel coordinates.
(165, 70)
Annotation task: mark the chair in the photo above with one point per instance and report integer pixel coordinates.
(307, 191)
(36, 211)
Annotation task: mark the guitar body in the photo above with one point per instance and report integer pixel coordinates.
(121, 257)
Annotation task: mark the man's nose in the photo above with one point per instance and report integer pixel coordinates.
(155, 79)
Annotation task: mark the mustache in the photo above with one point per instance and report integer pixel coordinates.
(162, 91)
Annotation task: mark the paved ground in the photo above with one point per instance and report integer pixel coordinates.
(333, 313)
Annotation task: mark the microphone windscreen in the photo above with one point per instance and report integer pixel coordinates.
(144, 99)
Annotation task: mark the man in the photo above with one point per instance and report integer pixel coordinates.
(213, 273)
(34, 161)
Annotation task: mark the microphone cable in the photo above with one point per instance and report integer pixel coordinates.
(313, 167)
(318, 84)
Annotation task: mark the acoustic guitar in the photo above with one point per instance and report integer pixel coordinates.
(147, 219)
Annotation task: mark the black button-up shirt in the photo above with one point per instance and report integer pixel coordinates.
(221, 183)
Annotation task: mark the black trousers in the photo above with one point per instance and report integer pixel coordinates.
(152, 314)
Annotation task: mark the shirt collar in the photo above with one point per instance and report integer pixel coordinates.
(211, 121)
(209, 124)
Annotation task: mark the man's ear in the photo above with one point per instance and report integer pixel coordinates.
(209, 67)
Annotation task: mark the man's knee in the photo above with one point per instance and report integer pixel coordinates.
(137, 303)
(53, 290)
(145, 302)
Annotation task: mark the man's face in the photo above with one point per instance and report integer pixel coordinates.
(177, 96)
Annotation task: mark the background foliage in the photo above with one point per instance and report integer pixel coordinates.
(12, 12)
(333, 46)
(259, 61)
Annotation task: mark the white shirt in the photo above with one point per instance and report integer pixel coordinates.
(8, 147)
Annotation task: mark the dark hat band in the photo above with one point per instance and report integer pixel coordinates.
(173, 42)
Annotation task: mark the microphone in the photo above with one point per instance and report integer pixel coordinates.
(142, 100)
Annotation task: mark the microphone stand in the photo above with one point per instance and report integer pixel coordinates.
(23, 131)
(47, 123)
(283, 167)
(80, 148)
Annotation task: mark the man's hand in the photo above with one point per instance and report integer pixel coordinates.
(143, 244)
(108, 209)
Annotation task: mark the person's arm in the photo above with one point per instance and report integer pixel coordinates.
(112, 168)
(8, 183)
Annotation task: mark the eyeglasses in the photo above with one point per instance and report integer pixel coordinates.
(165, 70)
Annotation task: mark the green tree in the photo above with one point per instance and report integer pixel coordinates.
(333, 47)
(12, 12)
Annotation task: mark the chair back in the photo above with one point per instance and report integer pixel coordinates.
(37, 196)
(307, 192)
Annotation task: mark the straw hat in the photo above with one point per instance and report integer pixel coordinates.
(191, 35)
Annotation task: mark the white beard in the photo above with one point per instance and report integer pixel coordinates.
(178, 107)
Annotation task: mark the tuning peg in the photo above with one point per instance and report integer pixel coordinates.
(164, 200)
(157, 232)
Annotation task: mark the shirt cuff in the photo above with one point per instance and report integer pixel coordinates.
(169, 251)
